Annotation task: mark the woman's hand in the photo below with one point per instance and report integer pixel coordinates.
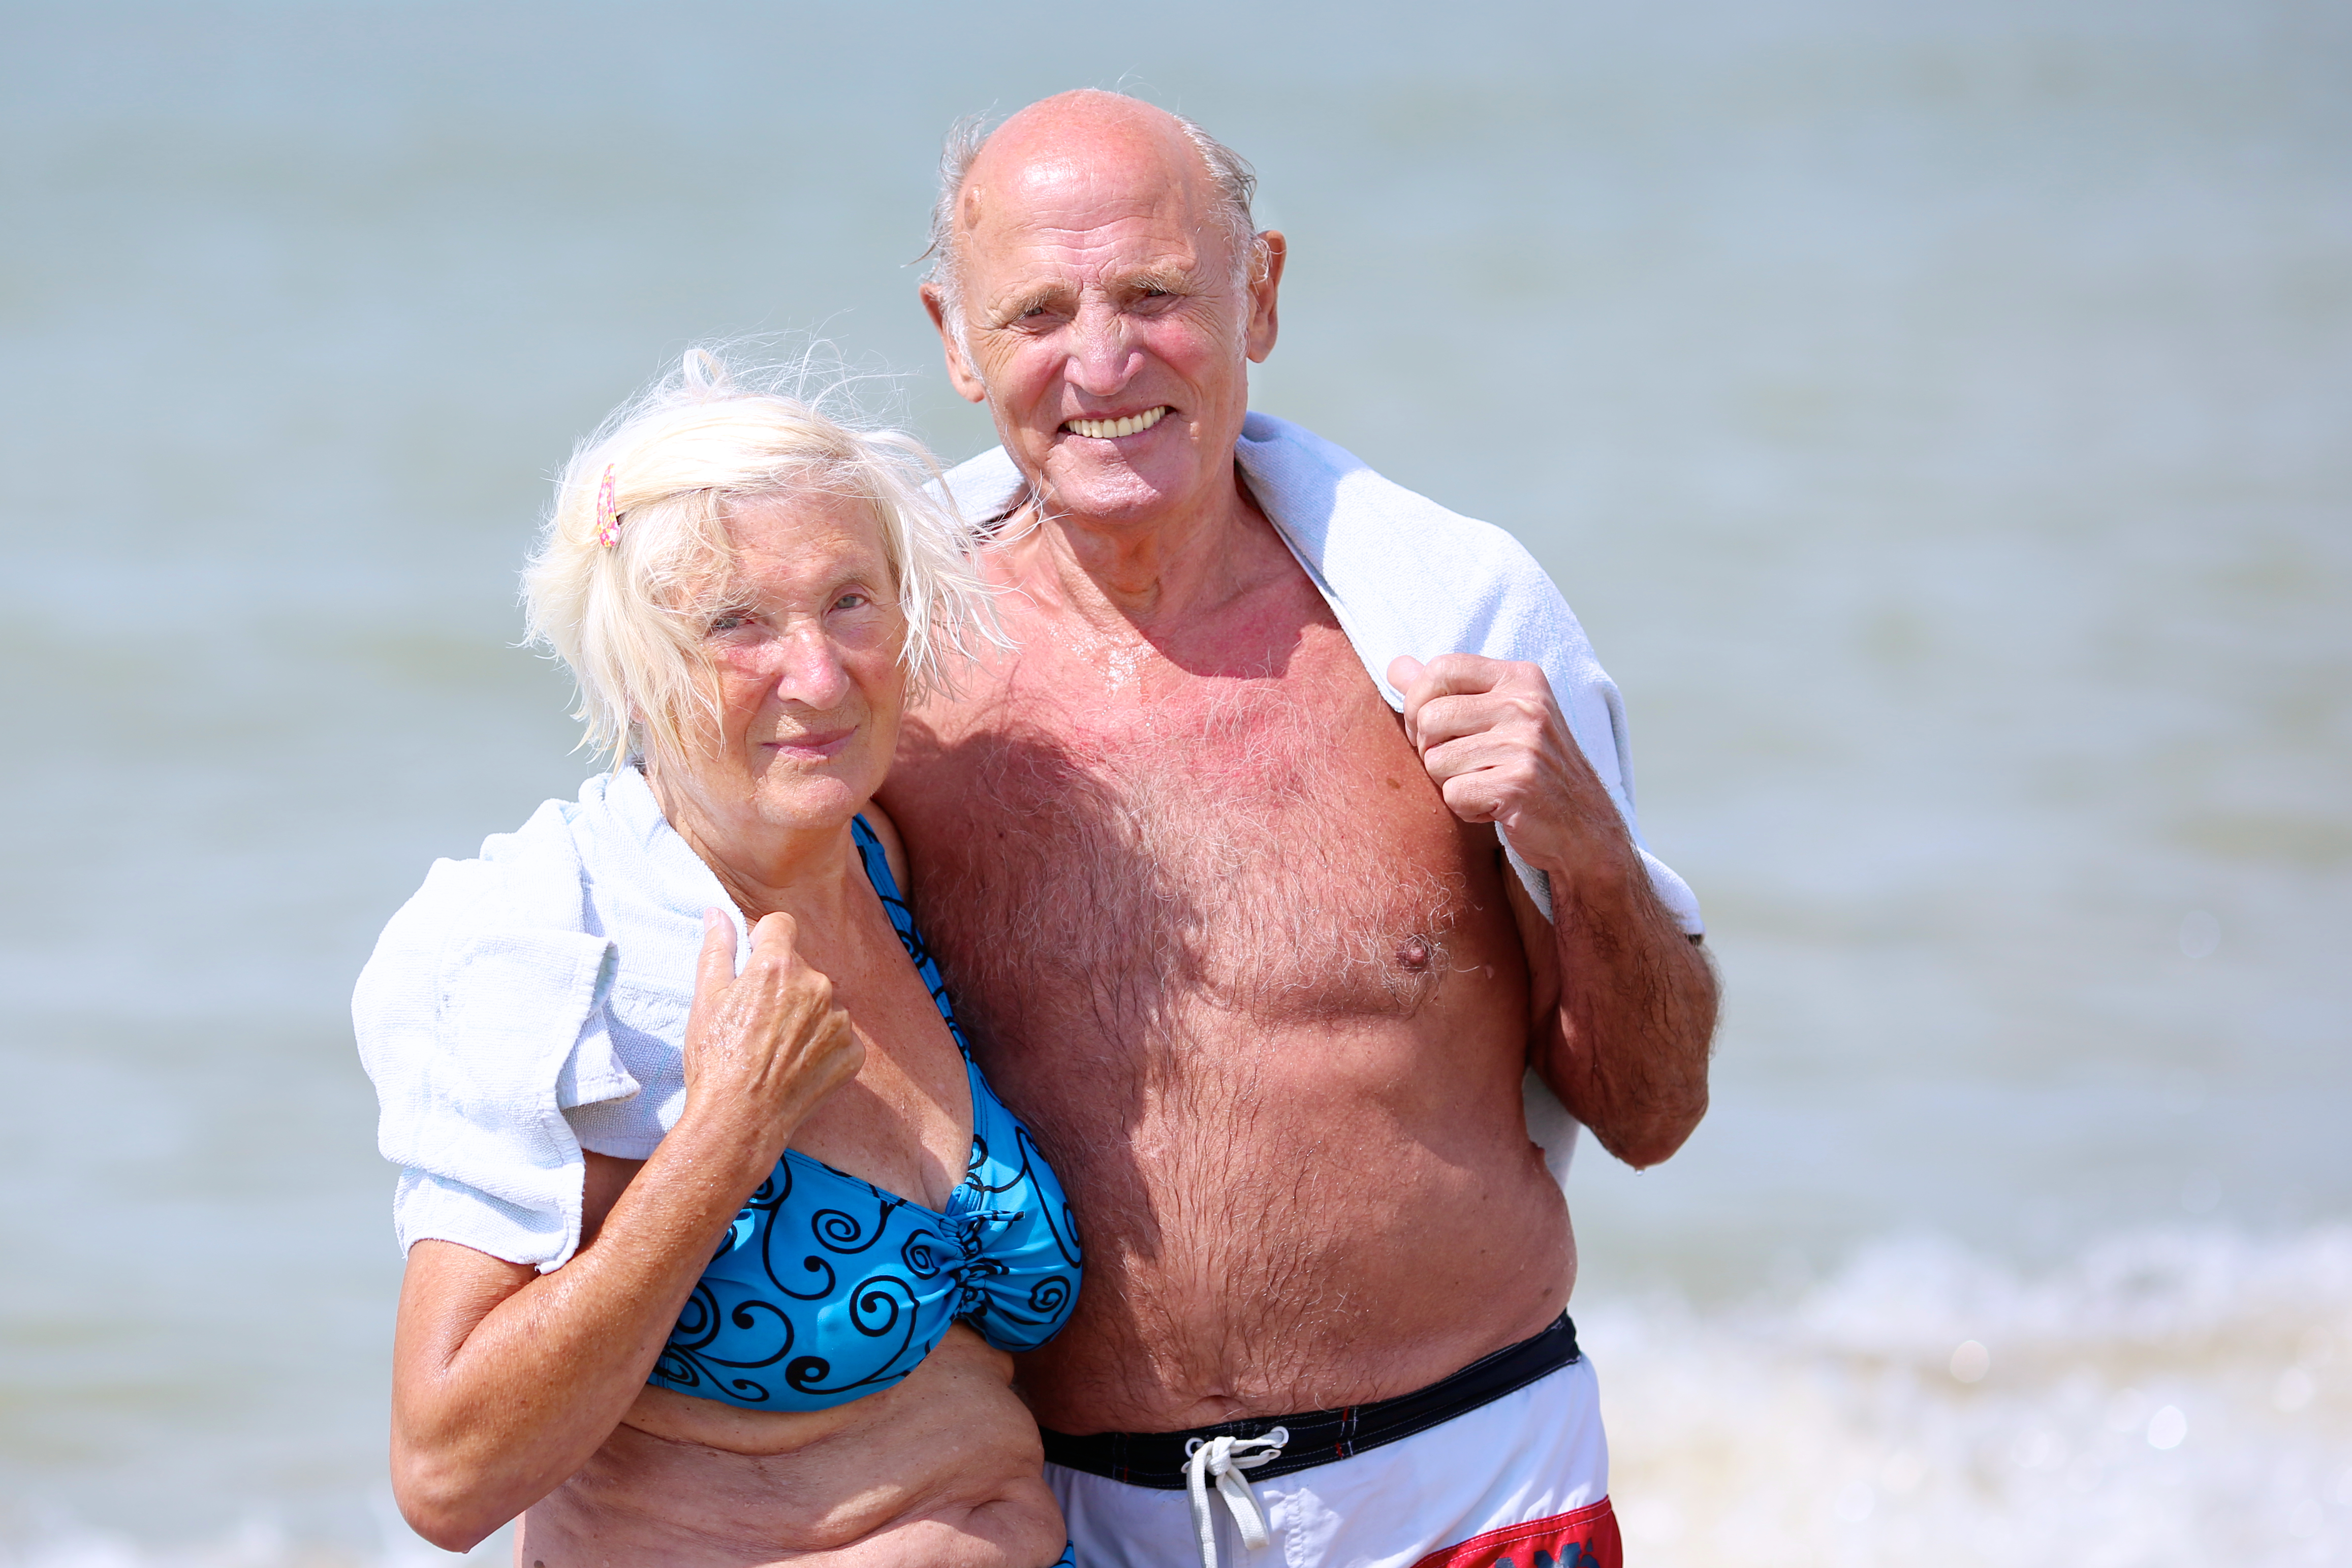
(764, 1046)
(505, 1379)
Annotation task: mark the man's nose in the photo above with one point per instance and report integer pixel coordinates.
(1100, 361)
(809, 671)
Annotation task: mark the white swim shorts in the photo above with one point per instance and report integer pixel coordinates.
(1503, 1465)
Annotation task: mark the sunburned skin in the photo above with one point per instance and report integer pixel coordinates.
(1234, 939)
(1262, 998)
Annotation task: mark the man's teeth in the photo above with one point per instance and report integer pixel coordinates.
(1112, 429)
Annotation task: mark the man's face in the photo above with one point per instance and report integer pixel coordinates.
(1106, 324)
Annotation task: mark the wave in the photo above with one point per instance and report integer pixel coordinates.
(2169, 1397)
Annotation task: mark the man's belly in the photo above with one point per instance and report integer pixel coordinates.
(1293, 1219)
(944, 1470)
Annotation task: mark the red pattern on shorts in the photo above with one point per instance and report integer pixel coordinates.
(1585, 1539)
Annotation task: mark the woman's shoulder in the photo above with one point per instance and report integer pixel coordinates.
(894, 849)
(530, 878)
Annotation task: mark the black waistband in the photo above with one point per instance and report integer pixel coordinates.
(1319, 1437)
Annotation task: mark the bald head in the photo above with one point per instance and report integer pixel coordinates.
(1088, 136)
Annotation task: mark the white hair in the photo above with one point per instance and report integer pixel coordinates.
(627, 617)
(1233, 185)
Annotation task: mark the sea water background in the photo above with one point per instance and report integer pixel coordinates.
(1940, 415)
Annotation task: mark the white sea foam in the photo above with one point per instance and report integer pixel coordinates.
(2173, 1396)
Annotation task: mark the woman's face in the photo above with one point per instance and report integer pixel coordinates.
(806, 658)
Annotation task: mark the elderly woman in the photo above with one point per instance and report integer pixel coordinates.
(716, 1240)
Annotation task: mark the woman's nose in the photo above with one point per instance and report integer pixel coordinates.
(809, 669)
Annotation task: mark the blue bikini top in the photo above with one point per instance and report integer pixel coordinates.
(826, 1288)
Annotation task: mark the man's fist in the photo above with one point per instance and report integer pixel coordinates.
(1494, 739)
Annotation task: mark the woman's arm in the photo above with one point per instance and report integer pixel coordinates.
(505, 1379)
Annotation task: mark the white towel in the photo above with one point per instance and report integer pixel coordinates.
(527, 999)
(1403, 575)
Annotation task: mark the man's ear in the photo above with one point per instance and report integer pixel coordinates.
(1266, 283)
(960, 375)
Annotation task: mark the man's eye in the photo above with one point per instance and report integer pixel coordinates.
(852, 600)
(732, 621)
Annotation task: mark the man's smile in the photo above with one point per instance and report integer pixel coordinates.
(1112, 429)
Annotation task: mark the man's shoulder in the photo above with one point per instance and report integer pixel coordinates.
(984, 488)
(1327, 499)
(530, 878)
(1403, 572)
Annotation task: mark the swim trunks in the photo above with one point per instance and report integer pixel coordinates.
(1505, 1462)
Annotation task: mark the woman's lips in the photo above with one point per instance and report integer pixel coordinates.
(813, 745)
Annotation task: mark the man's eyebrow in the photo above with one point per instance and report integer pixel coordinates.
(1167, 277)
(1013, 307)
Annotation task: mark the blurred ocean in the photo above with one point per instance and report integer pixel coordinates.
(1941, 417)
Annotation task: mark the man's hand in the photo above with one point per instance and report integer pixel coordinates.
(1623, 1006)
(1494, 739)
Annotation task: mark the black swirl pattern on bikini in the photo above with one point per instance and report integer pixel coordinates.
(827, 1287)
(688, 1363)
(1050, 1297)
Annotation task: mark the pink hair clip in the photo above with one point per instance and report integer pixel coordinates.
(608, 522)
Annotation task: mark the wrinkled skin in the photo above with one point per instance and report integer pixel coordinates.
(1234, 938)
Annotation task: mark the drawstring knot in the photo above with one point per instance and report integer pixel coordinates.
(1223, 1460)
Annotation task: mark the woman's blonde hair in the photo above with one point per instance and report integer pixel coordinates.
(627, 617)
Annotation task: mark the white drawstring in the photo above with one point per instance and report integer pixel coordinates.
(1223, 1459)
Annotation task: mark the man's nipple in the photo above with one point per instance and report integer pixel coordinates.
(1413, 953)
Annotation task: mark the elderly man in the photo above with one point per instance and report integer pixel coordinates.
(1234, 919)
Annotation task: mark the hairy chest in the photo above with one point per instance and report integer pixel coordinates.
(1140, 853)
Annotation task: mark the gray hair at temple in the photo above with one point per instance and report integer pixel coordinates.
(1232, 179)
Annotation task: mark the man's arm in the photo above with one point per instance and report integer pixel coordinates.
(1625, 1003)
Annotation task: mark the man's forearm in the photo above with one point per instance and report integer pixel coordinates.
(1625, 1046)
(1628, 1053)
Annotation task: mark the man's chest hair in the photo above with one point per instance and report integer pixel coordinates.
(1269, 844)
